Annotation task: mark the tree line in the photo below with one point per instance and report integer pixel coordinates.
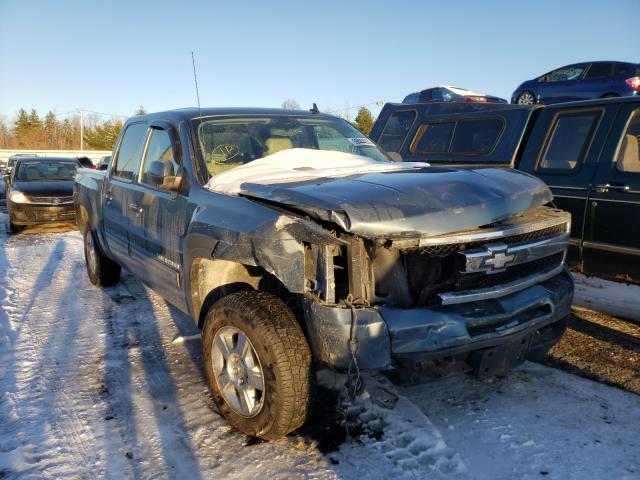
(364, 119)
(31, 131)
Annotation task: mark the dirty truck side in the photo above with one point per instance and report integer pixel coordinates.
(430, 268)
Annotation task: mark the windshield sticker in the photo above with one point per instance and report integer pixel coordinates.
(361, 142)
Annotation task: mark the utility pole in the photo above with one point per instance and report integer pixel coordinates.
(81, 112)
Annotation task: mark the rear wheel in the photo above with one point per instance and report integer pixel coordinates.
(526, 98)
(257, 364)
(102, 271)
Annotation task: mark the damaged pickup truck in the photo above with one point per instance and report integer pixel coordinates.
(295, 244)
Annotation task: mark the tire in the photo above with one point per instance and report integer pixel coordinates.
(102, 271)
(276, 351)
(13, 228)
(526, 98)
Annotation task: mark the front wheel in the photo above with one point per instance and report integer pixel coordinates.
(102, 271)
(13, 228)
(526, 98)
(257, 363)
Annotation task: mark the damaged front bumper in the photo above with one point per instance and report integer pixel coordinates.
(524, 322)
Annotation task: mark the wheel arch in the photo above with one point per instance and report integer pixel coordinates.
(212, 279)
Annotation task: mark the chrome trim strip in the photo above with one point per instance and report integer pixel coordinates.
(452, 298)
(540, 219)
(608, 247)
(496, 257)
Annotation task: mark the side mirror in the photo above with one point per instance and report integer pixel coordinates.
(395, 156)
(162, 176)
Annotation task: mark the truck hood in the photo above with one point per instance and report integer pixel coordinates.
(426, 201)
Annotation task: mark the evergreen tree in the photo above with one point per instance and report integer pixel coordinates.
(34, 120)
(51, 130)
(364, 120)
(103, 137)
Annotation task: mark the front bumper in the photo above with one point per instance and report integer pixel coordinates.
(36, 214)
(387, 336)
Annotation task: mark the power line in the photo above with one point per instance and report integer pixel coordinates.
(379, 103)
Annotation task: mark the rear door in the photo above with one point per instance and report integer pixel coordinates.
(116, 210)
(563, 150)
(612, 230)
(163, 216)
(594, 82)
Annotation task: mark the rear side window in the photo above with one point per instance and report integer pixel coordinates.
(129, 156)
(598, 70)
(396, 129)
(624, 69)
(462, 137)
(628, 158)
(569, 141)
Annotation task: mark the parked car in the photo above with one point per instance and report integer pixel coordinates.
(103, 163)
(86, 162)
(286, 248)
(40, 190)
(581, 81)
(450, 94)
(587, 152)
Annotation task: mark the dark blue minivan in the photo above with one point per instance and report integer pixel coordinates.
(581, 81)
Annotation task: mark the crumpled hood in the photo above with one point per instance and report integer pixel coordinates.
(425, 202)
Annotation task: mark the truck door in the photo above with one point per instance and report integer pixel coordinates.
(116, 209)
(163, 217)
(612, 231)
(561, 151)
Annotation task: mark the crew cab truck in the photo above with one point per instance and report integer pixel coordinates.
(587, 152)
(389, 265)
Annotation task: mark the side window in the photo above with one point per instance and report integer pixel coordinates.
(426, 96)
(411, 98)
(623, 69)
(565, 73)
(127, 162)
(463, 137)
(569, 141)
(435, 138)
(158, 161)
(628, 158)
(598, 70)
(395, 131)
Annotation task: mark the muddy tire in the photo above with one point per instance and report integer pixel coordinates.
(257, 363)
(102, 271)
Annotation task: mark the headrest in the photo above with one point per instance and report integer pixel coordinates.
(276, 144)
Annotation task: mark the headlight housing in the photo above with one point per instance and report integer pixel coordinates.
(18, 197)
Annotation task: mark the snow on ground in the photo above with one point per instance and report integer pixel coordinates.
(614, 298)
(108, 384)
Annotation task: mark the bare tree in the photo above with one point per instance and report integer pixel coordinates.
(290, 104)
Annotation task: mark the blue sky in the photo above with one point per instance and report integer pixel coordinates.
(112, 56)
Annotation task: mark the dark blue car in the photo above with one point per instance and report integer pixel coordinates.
(581, 81)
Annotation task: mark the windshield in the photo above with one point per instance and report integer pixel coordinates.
(232, 141)
(45, 171)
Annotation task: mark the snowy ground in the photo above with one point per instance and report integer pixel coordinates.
(614, 298)
(108, 383)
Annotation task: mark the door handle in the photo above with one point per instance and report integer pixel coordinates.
(608, 186)
(137, 209)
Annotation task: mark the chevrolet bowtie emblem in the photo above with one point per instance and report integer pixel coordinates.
(498, 258)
